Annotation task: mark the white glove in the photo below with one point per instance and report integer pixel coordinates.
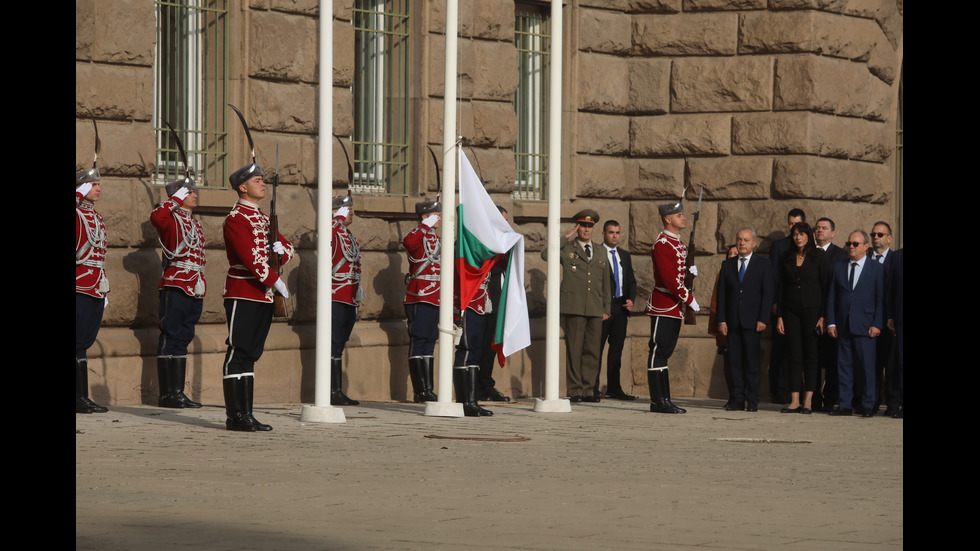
(182, 193)
(280, 286)
(106, 303)
(277, 246)
(342, 212)
(694, 305)
(694, 272)
(430, 220)
(84, 188)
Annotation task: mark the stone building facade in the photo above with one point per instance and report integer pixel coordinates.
(765, 104)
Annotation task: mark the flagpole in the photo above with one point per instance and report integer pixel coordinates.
(322, 411)
(445, 407)
(551, 402)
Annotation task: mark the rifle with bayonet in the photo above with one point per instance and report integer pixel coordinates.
(278, 302)
(690, 317)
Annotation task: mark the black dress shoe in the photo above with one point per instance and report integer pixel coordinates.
(900, 414)
(890, 411)
(493, 395)
(797, 409)
(842, 412)
(575, 398)
(752, 406)
(807, 411)
(732, 405)
(592, 399)
(618, 394)
(868, 413)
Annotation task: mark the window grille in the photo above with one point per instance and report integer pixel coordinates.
(531, 37)
(381, 96)
(190, 89)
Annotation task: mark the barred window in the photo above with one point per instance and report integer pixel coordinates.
(531, 37)
(190, 88)
(381, 96)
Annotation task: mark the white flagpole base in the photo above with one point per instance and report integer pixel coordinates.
(443, 409)
(560, 405)
(322, 414)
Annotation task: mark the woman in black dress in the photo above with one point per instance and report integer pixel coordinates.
(803, 272)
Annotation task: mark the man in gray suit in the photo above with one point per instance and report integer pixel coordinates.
(586, 301)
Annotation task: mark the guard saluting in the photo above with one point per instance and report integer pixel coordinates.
(347, 293)
(91, 284)
(422, 297)
(182, 286)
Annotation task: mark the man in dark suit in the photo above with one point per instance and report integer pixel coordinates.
(880, 252)
(745, 296)
(895, 309)
(855, 317)
(777, 355)
(823, 235)
(614, 328)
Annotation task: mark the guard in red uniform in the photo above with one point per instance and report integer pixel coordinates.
(422, 298)
(664, 305)
(347, 293)
(91, 284)
(249, 288)
(466, 367)
(182, 287)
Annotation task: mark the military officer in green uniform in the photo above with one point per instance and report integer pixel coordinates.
(586, 301)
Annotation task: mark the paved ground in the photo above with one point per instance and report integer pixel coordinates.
(606, 476)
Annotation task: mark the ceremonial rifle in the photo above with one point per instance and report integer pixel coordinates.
(278, 301)
(689, 314)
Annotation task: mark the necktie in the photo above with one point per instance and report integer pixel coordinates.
(615, 264)
(880, 258)
(850, 280)
(588, 252)
(741, 269)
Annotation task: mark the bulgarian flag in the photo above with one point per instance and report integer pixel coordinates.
(486, 238)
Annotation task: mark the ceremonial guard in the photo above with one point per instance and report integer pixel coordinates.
(422, 297)
(182, 286)
(664, 306)
(249, 289)
(91, 284)
(347, 293)
(466, 367)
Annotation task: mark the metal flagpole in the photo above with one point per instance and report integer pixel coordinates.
(445, 407)
(551, 402)
(322, 411)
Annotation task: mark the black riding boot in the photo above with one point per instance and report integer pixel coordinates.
(82, 403)
(337, 396)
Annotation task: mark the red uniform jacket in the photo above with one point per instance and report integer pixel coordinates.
(346, 264)
(424, 256)
(182, 239)
(90, 250)
(246, 233)
(669, 267)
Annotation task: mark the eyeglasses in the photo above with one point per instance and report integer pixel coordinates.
(878, 234)
(854, 244)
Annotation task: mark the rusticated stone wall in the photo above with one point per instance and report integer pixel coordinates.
(766, 104)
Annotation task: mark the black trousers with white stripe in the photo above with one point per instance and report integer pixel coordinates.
(664, 332)
(248, 326)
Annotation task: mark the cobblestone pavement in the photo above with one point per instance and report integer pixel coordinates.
(606, 476)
